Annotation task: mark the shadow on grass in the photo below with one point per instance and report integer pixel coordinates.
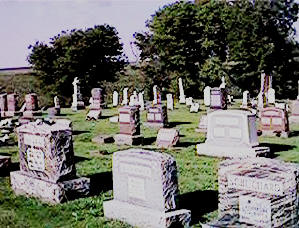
(104, 117)
(80, 159)
(277, 148)
(100, 182)
(13, 167)
(294, 134)
(149, 141)
(185, 144)
(199, 202)
(173, 124)
(76, 132)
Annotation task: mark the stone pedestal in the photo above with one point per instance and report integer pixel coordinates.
(96, 104)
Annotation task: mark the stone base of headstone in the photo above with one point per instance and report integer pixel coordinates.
(31, 114)
(5, 162)
(154, 124)
(233, 151)
(46, 191)
(294, 119)
(113, 119)
(145, 217)
(283, 134)
(80, 105)
(122, 139)
(94, 115)
(101, 139)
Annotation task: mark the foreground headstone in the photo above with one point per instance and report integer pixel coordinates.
(274, 122)
(218, 98)
(31, 108)
(77, 96)
(232, 133)
(47, 168)
(257, 192)
(207, 96)
(145, 188)
(129, 126)
(182, 94)
(169, 101)
(157, 116)
(167, 137)
(95, 108)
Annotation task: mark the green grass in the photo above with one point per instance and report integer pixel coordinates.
(197, 174)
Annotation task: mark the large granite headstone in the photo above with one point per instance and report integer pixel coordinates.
(47, 168)
(167, 137)
(257, 192)
(157, 116)
(232, 133)
(218, 98)
(145, 188)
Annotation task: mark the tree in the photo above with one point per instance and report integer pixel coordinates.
(94, 55)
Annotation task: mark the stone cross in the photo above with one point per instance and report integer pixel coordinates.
(182, 94)
(77, 96)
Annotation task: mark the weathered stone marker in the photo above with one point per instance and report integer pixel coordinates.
(31, 108)
(3, 104)
(77, 96)
(207, 96)
(95, 108)
(157, 116)
(232, 133)
(11, 105)
(218, 98)
(167, 137)
(145, 189)
(115, 99)
(257, 192)
(47, 168)
(169, 101)
(294, 118)
(182, 96)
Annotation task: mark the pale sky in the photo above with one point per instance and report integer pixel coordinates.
(23, 22)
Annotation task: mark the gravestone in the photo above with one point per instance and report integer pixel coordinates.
(298, 91)
(223, 84)
(257, 192)
(169, 101)
(134, 99)
(274, 122)
(155, 92)
(31, 106)
(141, 100)
(57, 105)
(271, 96)
(47, 166)
(245, 100)
(182, 94)
(218, 98)
(294, 118)
(77, 96)
(145, 190)
(125, 96)
(266, 82)
(129, 126)
(11, 105)
(194, 107)
(95, 108)
(189, 101)
(232, 133)
(207, 96)
(115, 99)
(229, 99)
(3, 104)
(157, 116)
(167, 137)
(203, 124)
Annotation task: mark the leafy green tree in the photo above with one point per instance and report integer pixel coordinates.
(94, 55)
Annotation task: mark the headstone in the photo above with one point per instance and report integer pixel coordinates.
(129, 126)
(189, 101)
(47, 167)
(157, 116)
(3, 104)
(218, 98)
(294, 118)
(257, 192)
(115, 98)
(263, 94)
(97, 102)
(141, 100)
(11, 105)
(145, 188)
(113, 119)
(223, 84)
(282, 105)
(134, 99)
(229, 99)
(125, 96)
(245, 100)
(194, 107)
(167, 137)
(203, 124)
(182, 94)
(169, 101)
(77, 96)
(271, 96)
(207, 96)
(155, 101)
(56, 109)
(31, 108)
(274, 122)
(232, 133)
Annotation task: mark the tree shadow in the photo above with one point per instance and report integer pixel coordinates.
(277, 148)
(149, 141)
(294, 134)
(12, 167)
(199, 203)
(174, 124)
(185, 144)
(100, 182)
(78, 159)
(104, 117)
(78, 132)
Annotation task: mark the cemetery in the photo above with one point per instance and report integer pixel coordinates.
(197, 131)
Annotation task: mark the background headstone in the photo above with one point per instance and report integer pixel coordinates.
(207, 96)
(169, 101)
(167, 137)
(77, 96)
(115, 99)
(182, 97)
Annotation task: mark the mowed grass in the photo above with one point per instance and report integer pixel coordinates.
(197, 174)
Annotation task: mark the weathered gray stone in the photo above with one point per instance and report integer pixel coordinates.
(167, 137)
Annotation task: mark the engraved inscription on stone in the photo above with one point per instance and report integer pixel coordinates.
(227, 121)
(235, 133)
(255, 211)
(150, 116)
(34, 140)
(255, 185)
(136, 187)
(265, 121)
(135, 169)
(219, 132)
(36, 159)
(158, 117)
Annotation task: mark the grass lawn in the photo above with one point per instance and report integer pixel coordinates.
(197, 174)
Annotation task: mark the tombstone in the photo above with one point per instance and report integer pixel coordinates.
(53, 112)
(169, 101)
(5, 163)
(11, 105)
(194, 107)
(271, 96)
(145, 190)
(47, 166)
(229, 99)
(56, 109)
(257, 192)
(115, 98)
(167, 137)
(125, 96)
(203, 124)
(134, 99)
(157, 116)
(218, 98)
(77, 96)
(282, 105)
(3, 104)
(141, 100)
(113, 119)
(182, 94)
(207, 96)
(189, 101)
(31, 106)
(232, 133)
(96, 104)
(266, 83)
(155, 101)
(129, 126)
(245, 100)
(223, 84)
(274, 122)
(298, 91)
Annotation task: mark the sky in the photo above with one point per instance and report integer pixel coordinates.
(23, 22)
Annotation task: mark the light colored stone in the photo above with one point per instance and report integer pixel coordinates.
(125, 96)
(218, 98)
(194, 107)
(189, 101)
(115, 99)
(94, 115)
(207, 96)
(182, 97)
(223, 84)
(113, 119)
(167, 137)
(155, 101)
(203, 124)
(271, 96)
(77, 96)
(141, 100)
